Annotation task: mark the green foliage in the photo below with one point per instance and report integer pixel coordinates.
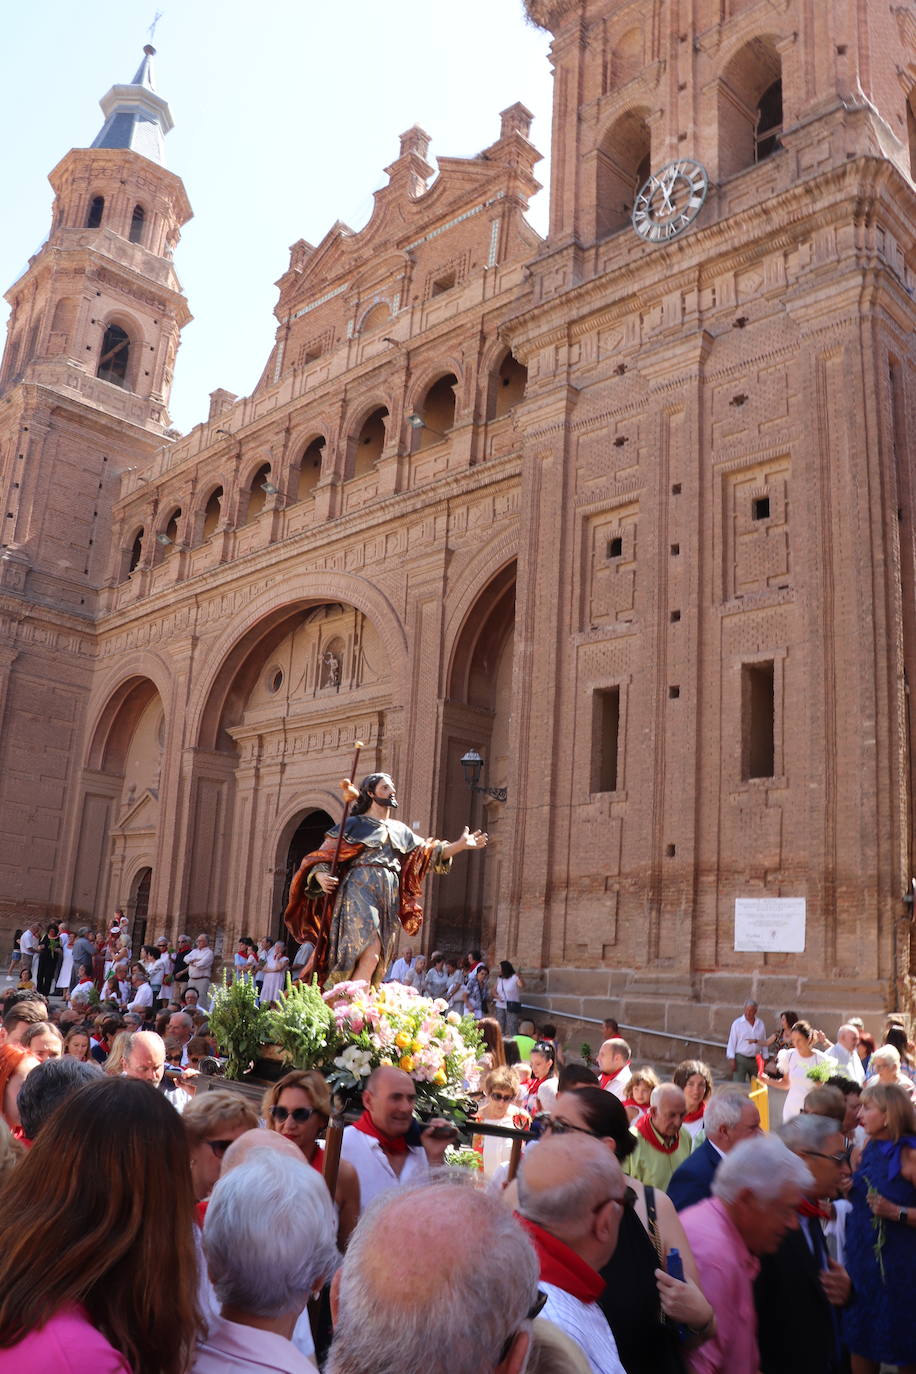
(463, 1158)
(239, 1024)
(302, 1024)
(820, 1073)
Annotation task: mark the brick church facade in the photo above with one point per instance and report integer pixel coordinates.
(632, 517)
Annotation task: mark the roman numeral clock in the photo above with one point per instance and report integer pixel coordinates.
(670, 201)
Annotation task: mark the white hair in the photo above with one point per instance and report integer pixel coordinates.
(847, 1027)
(807, 1131)
(568, 1201)
(724, 1108)
(480, 1279)
(663, 1090)
(885, 1054)
(269, 1235)
(763, 1166)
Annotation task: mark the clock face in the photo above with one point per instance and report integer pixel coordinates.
(670, 201)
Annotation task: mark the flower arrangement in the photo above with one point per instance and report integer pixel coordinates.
(350, 1030)
(820, 1072)
(393, 1024)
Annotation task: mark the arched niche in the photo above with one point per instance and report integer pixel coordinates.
(749, 106)
(624, 162)
(475, 714)
(436, 410)
(118, 830)
(507, 386)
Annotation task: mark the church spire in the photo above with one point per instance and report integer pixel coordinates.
(136, 116)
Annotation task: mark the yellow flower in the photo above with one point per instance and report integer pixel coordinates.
(401, 1040)
(407, 1063)
(439, 1079)
(416, 1046)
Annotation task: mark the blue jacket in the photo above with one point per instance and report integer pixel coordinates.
(692, 1181)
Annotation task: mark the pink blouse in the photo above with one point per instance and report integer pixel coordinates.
(67, 1344)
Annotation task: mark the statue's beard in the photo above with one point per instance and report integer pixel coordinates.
(391, 801)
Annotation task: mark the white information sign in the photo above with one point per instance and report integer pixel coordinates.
(773, 925)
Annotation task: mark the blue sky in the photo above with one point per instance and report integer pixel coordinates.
(285, 113)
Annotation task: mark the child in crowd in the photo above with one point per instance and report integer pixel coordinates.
(639, 1090)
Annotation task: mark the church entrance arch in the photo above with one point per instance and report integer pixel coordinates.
(475, 715)
(138, 908)
(278, 726)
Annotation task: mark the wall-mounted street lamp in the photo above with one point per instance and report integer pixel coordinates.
(163, 539)
(472, 767)
(269, 488)
(417, 422)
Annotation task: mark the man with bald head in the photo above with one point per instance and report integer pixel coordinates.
(571, 1193)
(258, 1138)
(144, 1057)
(386, 1146)
(662, 1142)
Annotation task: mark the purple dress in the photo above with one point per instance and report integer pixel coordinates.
(878, 1323)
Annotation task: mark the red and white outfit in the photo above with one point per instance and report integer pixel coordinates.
(693, 1121)
(573, 1288)
(367, 1149)
(617, 1082)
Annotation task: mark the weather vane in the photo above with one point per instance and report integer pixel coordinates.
(152, 28)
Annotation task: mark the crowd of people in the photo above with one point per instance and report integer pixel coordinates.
(650, 1226)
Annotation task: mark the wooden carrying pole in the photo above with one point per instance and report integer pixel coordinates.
(333, 1140)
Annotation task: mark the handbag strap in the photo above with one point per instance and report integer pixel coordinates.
(652, 1219)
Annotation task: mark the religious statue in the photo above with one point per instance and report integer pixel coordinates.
(353, 916)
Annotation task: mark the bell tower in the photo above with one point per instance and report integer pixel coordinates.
(93, 332)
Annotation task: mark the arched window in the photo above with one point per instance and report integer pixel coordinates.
(310, 469)
(257, 492)
(624, 163)
(136, 551)
(507, 387)
(115, 356)
(212, 512)
(96, 210)
(750, 107)
(369, 442)
(137, 220)
(436, 414)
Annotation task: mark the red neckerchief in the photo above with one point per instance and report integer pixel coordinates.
(606, 1078)
(391, 1144)
(658, 1142)
(696, 1115)
(317, 1160)
(813, 1209)
(19, 1134)
(561, 1266)
(200, 1211)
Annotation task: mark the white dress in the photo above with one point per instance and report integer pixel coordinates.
(66, 968)
(793, 1067)
(274, 979)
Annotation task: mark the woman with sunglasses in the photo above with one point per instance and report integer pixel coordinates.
(211, 1122)
(649, 1230)
(299, 1107)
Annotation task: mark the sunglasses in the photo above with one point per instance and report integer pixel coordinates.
(544, 1124)
(299, 1114)
(841, 1158)
(501, 1097)
(219, 1147)
(533, 1311)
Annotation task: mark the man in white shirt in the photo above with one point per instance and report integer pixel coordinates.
(745, 1042)
(571, 1194)
(845, 1054)
(29, 947)
(377, 1145)
(400, 968)
(143, 996)
(200, 965)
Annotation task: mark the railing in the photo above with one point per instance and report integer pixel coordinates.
(641, 1030)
